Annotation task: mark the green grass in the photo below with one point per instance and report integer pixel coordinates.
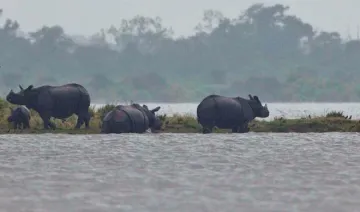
(331, 122)
(334, 121)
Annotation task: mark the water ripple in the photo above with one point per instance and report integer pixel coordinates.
(180, 172)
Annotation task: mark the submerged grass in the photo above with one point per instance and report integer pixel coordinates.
(334, 121)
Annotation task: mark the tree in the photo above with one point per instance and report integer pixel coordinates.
(264, 50)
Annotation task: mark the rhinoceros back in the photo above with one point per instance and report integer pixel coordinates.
(126, 119)
(223, 112)
(26, 112)
(63, 100)
(116, 121)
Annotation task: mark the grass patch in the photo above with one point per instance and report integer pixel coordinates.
(334, 121)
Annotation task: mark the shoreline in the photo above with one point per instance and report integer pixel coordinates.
(186, 124)
(333, 121)
(287, 110)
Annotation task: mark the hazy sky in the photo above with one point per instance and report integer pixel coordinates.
(89, 16)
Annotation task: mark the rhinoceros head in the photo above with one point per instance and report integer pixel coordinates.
(259, 110)
(154, 121)
(20, 98)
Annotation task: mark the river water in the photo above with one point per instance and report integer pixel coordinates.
(252, 172)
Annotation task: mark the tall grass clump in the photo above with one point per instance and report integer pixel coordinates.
(337, 114)
(105, 109)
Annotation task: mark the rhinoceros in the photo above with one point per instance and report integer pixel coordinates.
(55, 101)
(130, 119)
(229, 112)
(20, 116)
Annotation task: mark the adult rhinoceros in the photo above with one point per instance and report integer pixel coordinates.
(131, 119)
(229, 112)
(55, 101)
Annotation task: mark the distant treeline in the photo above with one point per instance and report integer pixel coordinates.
(264, 51)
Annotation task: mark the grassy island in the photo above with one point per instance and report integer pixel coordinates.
(332, 122)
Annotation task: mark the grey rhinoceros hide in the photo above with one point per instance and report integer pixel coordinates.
(248, 112)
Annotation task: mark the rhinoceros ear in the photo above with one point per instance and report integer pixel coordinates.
(155, 109)
(146, 107)
(21, 88)
(250, 97)
(30, 87)
(256, 98)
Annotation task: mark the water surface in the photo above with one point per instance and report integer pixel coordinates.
(180, 172)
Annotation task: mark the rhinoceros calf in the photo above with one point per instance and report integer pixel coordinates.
(229, 112)
(130, 119)
(20, 116)
(55, 101)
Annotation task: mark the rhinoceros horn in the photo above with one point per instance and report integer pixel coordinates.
(30, 87)
(155, 109)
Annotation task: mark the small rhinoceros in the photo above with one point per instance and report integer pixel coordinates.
(229, 112)
(20, 116)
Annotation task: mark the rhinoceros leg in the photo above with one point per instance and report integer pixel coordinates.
(52, 125)
(247, 129)
(207, 129)
(26, 124)
(244, 128)
(83, 117)
(241, 129)
(46, 120)
(79, 122)
(15, 125)
(21, 125)
(87, 119)
(235, 129)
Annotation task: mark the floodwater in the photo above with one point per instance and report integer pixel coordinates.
(180, 172)
(251, 172)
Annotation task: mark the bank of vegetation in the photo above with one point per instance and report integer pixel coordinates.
(264, 51)
(331, 122)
